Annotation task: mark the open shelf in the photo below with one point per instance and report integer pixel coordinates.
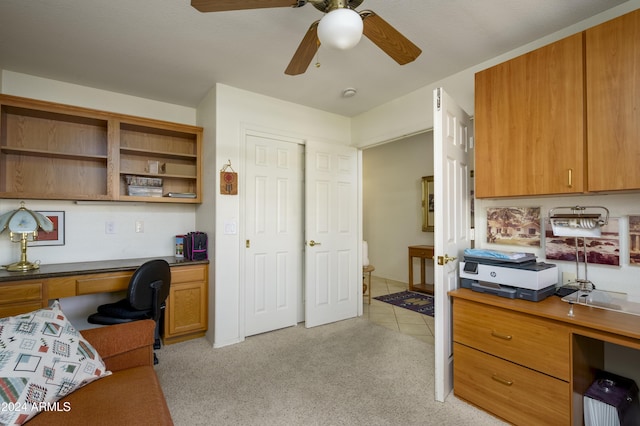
(55, 151)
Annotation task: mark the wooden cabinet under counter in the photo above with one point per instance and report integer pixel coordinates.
(534, 342)
(20, 297)
(514, 365)
(514, 392)
(530, 363)
(186, 311)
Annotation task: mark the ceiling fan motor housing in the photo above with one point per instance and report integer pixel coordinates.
(329, 5)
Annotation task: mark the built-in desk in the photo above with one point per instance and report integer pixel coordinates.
(186, 309)
(530, 362)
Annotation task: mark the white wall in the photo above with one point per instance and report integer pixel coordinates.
(392, 203)
(29, 86)
(623, 278)
(206, 212)
(238, 111)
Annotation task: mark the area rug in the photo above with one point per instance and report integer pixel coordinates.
(417, 302)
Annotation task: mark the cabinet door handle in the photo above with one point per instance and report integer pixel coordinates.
(570, 176)
(501, 380)
(500, 335)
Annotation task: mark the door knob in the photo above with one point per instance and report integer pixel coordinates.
(443, 260)
(313, 243)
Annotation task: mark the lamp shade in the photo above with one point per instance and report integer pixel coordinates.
(24, 220)
(340, 29)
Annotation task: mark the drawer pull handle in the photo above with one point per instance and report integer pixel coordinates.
(501, 380)
(501, 336)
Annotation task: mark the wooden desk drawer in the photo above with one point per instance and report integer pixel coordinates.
(103, 284)
(185, 274)
(421, 252)
(517, 394)
(526, 340)
(22, 292)
(19, 308)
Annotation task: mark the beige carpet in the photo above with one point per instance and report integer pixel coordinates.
(352, 372)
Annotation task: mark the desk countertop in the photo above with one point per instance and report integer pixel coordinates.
(79, 268)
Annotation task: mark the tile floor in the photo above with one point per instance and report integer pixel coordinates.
(395, 318)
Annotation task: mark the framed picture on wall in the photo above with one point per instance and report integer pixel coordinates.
(427, 204)
(55, 237)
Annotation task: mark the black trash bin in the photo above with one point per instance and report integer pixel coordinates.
(611, 400)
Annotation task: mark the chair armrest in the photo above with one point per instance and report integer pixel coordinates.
(123, 346)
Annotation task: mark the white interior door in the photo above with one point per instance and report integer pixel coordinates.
(332, 264)
(452, 159)
(273, 232)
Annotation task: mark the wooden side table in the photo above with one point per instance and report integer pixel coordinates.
(423, 253)
(368, 269)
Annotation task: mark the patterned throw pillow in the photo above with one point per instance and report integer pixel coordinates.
(42, 359)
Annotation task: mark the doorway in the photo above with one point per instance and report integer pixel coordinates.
(392, 202)
(392, 221)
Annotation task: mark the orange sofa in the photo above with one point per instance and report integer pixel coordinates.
(131, 395)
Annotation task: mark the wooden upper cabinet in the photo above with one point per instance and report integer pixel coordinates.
(59, 152)
(613, 104)
(529, 123)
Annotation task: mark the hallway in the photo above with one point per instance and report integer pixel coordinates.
(395, 318)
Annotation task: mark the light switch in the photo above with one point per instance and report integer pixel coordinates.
(230, 227)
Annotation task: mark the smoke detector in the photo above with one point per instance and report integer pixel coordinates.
(349, 92)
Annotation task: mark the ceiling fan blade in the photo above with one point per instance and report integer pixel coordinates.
(387, 38)
(305, 52)
(224, 5)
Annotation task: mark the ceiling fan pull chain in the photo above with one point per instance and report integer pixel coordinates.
(317, 64)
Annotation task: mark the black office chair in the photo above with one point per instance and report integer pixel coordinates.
(148, 289)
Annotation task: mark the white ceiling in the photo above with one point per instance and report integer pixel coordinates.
(168, 51)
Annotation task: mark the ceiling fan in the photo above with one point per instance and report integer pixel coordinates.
(379, 31)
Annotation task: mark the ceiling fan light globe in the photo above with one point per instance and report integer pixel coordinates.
(340, 29)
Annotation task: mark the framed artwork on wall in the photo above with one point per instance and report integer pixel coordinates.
(516, 226)
(55, 237)
(427, 204)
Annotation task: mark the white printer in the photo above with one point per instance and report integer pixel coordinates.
(508, 274)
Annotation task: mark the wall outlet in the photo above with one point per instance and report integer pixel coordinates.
(109, 227)
(139, 226)
(568, 278)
